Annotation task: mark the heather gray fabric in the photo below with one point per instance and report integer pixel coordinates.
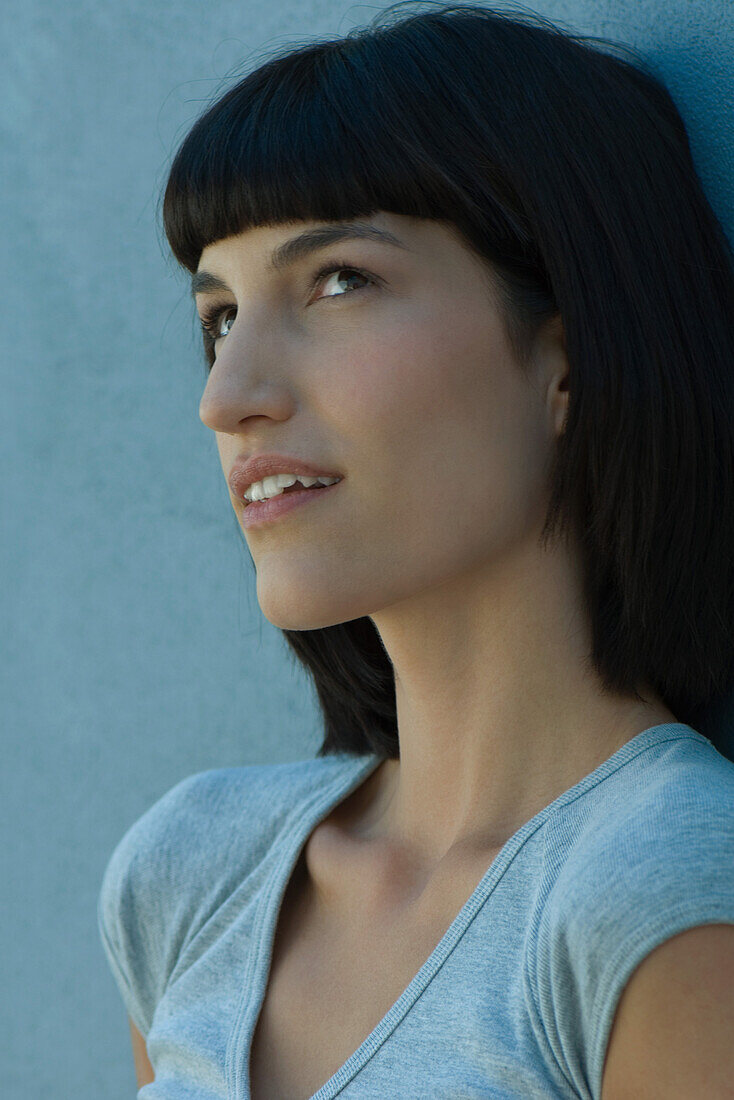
(517, 1000)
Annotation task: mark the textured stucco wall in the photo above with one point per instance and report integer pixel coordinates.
(135, 652)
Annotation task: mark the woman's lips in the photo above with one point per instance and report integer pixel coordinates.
(266, 511)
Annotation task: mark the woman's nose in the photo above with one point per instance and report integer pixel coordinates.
(244, 382)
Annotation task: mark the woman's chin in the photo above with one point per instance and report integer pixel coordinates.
(302, 610)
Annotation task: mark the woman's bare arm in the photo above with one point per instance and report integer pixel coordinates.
(672, 1034)
(143, 1068)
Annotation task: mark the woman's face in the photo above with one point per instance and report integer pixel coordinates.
(400, 380)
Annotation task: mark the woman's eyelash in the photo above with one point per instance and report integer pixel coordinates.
(212, 316)
(332, 268)
(210, 320)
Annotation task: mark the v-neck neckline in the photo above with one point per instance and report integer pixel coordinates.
(355, 771)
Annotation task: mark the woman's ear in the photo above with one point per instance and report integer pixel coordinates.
(556, 373)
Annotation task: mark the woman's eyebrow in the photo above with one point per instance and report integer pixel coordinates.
(297, 247)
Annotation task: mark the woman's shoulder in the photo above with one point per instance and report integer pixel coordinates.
(671, 796)
(651, 830)
(640, 857)
(184, 856)
(199, 816)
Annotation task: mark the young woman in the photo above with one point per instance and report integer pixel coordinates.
(458, 279)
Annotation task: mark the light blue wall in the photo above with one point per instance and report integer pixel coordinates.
(135, 651)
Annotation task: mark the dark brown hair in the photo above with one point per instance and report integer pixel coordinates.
(567, 168)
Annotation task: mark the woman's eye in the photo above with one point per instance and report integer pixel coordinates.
(326, 274)
(213, 323)
(218, 321)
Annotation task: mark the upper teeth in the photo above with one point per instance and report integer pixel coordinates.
(275, 484)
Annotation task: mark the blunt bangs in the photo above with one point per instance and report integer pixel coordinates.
(333, 131)
(305, 146)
